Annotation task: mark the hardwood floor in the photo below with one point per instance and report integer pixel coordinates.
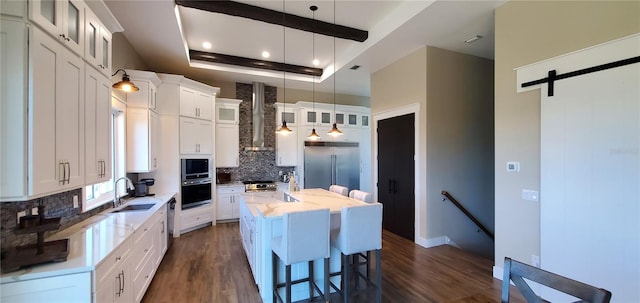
(209, 265)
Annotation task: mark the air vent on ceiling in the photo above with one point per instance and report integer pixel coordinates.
(355, 67)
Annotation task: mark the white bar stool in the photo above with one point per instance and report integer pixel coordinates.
(360, 231)
(360, 195)
(339, 190)
(305, 237)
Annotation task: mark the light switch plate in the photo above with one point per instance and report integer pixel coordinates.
(530, 195)
(513, 166)
(75, 201)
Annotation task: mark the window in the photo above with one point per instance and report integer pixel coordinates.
(101, 193)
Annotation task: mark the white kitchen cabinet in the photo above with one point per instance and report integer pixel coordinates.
(73, 288)
(287, 112)
(228, 110)
(97, 140)
(228, 202)
(142, 140)
(55, 121)
(196, 104)
(161, 238)
(97, 46)
(147, 82)
(113, 276)
(13, 109)
(227, 145)
(63, 19)
(143, 257)
(196, 136)
(286, 144)
(287, 148)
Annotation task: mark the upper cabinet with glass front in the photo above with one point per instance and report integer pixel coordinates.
(97, 50)
(228, 110)
(64, 19)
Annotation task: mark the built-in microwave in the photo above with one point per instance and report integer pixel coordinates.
(195, 169)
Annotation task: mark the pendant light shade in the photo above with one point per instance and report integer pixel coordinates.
(334, 132)
(284, 129)
(313, 135)
(125, 84)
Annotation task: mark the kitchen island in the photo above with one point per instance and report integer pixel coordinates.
(261, 220)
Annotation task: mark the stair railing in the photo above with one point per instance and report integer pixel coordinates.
(455, 202)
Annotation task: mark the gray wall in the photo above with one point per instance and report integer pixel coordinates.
(460, 146)
(523, 37)
(455, 139)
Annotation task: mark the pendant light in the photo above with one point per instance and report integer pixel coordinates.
(313, 135)
(334, 132)
(125, 84)
(284, 130)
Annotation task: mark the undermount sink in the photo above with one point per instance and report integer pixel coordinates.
(134, 207)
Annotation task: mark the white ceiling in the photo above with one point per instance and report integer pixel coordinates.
(161, 33)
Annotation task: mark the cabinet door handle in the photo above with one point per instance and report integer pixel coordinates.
(122, 281)
(119, 292)
(61, 169)
(68, 171)
(162, 231)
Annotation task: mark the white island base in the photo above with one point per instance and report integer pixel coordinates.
(261, 220)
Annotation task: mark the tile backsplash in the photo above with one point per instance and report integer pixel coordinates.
(57, 205)
(256, 165)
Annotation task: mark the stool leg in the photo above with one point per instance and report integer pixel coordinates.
(274, 276)
(288, 283)
(311, 288)
(327, 289)
(378, 277)
(355, 259)
(345, 277)
(368, 264)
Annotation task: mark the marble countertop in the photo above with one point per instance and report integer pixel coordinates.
(91, 240)
(272, 204)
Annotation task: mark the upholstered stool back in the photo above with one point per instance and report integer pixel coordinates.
(305, 236)
(361, 195)
(339, 190)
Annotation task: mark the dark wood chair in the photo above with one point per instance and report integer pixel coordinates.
(515, 271)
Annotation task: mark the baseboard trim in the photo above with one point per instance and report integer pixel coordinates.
(444, 240)
(498, 272)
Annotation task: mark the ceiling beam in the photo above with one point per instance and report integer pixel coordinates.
(254, 63)
(276, 17)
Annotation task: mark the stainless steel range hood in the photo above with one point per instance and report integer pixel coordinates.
(258, 119)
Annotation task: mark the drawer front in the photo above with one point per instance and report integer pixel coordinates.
(143, 232)
(142, 279)
(115, 258)
(230, 189)
(196, 219)
(141, 251)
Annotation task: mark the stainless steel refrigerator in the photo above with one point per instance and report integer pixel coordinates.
(327, 163)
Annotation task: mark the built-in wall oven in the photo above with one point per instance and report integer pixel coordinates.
(196, 182)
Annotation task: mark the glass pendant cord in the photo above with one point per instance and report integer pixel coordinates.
(334, 130)
(313, 135)
(283, 128)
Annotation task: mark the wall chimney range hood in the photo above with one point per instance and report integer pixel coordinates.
(258, 119)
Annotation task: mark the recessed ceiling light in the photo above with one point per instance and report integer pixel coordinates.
(265, 54)
(473, 39)
(316, 62)
(206, 45)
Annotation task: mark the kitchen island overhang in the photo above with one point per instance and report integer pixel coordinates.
(261, 220)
